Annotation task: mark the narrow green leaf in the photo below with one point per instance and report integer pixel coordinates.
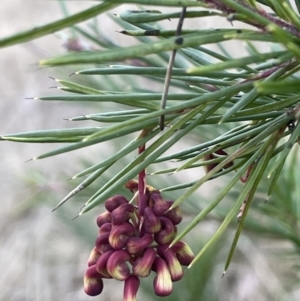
(157, 32)
(53, 134)
(287, 148)
(142, 16)
(236, 63)
(124, 98)
(133, 145)
(247, 132)
(278, 87)
(275, 106)
(170, 3)
(88, 181)
(100, 57)
(203, 99)
(50, 28)
(268, 148)
(250, 96)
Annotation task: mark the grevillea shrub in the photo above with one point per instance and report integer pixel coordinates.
(239, 111)
(132, 243)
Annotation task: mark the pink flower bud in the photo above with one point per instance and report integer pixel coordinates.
(101, 264)
(152, 222)
(103, 218)
(105, 228)
(117, 266)
(142, 266)
(160, 206)
(114, 202)
(102, 243)
(183, 252)
(93, 257)
(136, 245)
(92, 282)
(162, 282)
(131, 287)
(167, 232)
(122, 213)
(174, 215)
(174, 266)
(119, 235)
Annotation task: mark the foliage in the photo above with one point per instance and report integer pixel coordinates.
(251, 100)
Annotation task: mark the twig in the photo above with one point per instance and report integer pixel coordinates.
(169, 71)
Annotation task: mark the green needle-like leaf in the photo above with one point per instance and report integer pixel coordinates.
(135, 16)
(100, 57)
(236, 63)
(38, 32)
(268, 147)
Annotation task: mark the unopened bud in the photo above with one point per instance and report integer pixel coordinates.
(105, 228)
(102, 243)
(183, 252)
(102, 262)
(93, 257)
(119, 235)
(167, 232)
(114, 202)
(103, 218)
(92, 282)
(174, 215)
(142, 265)
(122, 213)
(131, 287)
(117, 266)
(160, 206)
(162, 282)
(137, 245)
(151, 222)
(174, 266)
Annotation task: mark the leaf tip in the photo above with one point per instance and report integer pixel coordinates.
(32, 159)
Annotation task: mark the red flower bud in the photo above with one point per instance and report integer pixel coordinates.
(174, 215)
(167, 232)
(183, 252)
(114, 202)
(131, 287)
(174, 266)
(142, 266)
(212, 156)
(160, 206)
(105, 228)
(102, 243)
(119, 235)
(93, 257)
(151, 222)
(122, 213)
(162, 282)
(132, 185)
(92, 282)
(103, 218)
(101, 264)
(117, 266)
(136, 245)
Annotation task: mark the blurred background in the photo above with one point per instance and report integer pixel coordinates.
(43, 255)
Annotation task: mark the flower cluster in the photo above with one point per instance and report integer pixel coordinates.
(131, 244)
